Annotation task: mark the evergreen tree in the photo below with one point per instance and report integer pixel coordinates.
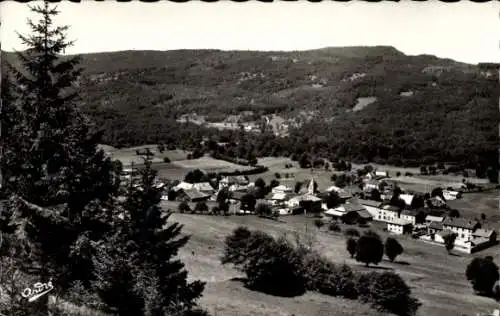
(136, 270)
(59, 182)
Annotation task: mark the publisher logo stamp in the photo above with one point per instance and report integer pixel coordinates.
(38, 290)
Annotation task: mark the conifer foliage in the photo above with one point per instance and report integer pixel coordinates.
(58, 183)
(137, 273)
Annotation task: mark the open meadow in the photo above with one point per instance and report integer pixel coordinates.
(436, 278)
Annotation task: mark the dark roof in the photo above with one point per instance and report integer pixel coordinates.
(409, 212)
(353, 207)
(436, 225)
(370, 203)
(195, 194)
(486, 233)
(364, 214)
(445, 232)
(460, 222)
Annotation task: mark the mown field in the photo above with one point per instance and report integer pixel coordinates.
(436, 278)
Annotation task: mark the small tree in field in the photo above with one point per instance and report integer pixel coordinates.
(370, 248)
(392, 248)
(351, 245)
(319, 223)
(449, 242)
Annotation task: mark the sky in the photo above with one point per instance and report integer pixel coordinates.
(463, 31)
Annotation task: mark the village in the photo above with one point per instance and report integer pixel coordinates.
(371, 200)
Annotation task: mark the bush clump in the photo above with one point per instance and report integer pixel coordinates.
(280, 267)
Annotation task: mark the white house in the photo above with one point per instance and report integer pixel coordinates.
(388, 213)
(410, 216)
(399, 226)
(461, 226)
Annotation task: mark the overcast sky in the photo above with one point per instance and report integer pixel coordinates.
(463, 31)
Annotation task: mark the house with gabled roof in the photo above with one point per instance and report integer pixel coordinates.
(373, 207)
(399, 226)
(388, 213)
(462, 226)
(192, 195)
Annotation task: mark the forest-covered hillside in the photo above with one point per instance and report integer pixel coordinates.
(425, 108)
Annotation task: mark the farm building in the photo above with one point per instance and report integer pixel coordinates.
(192, 195)
(463, 227)
(373, 207)
(350, 213)
(230, 180)
(343, 194)
(399, 226)
(435, 227)
(278, 198)
(488, 235)
(282, 189)
(414, 216)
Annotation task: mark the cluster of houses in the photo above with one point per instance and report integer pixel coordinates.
(354, 206)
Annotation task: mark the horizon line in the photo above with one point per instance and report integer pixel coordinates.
(264, 51)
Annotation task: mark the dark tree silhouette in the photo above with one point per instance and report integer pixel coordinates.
(351, 245)
(449, 242)
(60, 183)
(392, 248)
(136, 266)
(482, 273)
(370, 248)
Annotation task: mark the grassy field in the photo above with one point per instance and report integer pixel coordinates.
(436, 278)
(128, 155)
(210, 164)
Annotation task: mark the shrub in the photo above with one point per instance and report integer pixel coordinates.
(271, 266)
(166, 159)
(387, 292)
(319, 223)
(215, 210)
(277, 175)
(184, 207)
(278, 267)
(392, 248)
(334, 227)
(201, 208)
